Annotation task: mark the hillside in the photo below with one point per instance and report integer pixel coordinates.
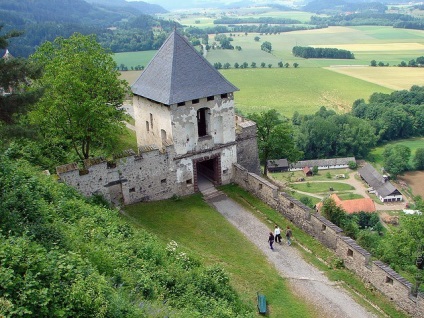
(44, 20)
(141, 6)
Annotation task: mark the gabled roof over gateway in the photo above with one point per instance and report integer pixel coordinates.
(178, 73)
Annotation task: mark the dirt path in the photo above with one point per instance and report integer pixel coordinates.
(306, 281)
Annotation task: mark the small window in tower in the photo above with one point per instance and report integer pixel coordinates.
(202, 122)
(189, 181)
(195, 101)
(349, 252)
(132, 190)
(181, 104)
(225, 171)
(323, 227)
(151, 120)
(147, 126)
(163, 135)
(224, 95)
(210, 98)
(163, 181)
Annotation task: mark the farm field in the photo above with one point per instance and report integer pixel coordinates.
(415, 180)
(396, 78)
(303, 90)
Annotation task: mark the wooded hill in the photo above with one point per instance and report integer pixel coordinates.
(44, 20)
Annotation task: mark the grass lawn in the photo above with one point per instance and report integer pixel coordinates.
(298, 196)
(319, 187)
(315, 253)
(376, 155)
(291, 176)
(349, 196)
(127, 141)
(204, 233)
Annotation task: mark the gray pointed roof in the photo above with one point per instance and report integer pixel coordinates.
(178, 73)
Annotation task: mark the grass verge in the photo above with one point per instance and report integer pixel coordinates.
(207, 235)
(318, 255)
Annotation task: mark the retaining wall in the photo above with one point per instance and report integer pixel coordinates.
(355, 258)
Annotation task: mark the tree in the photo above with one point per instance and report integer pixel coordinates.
(332, 212)
(227, 65)
(286, 65)
(295, 65)
(373, 63)
(274, 137)
(253, 65)
(263, 64)
(83, 95)
(396, 158)
(419, 159)
(266, 46)
(236, 65)
(257, 38)
(280, 64)
(16, 75)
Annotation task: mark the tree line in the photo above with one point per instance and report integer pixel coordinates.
(260, 20)
(320, 53)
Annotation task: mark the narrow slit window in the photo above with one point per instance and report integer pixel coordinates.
(151, 120)
(147, 126)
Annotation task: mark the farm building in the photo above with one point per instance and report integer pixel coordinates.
(322, 164)
(307, 171)
(383, 188)
(351, 206)
(278, 165)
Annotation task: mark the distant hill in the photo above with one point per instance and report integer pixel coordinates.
(339, 6)
(44, 20)
(141, 6)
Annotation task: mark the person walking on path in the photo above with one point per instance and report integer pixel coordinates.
(271, 240)
(289, 235)
(277, 234)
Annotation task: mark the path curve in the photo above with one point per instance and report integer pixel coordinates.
(307, 281)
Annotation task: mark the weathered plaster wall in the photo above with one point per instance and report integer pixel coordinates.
(160, 119)
(381, 276)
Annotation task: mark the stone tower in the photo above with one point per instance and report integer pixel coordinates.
(181, 100)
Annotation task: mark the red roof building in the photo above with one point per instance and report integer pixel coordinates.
(352, 206)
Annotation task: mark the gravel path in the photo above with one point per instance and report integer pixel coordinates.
(305, 280)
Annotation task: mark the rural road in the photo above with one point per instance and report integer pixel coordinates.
(305, 280)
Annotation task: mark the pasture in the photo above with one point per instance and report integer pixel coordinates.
(414, 180)
(376, 155)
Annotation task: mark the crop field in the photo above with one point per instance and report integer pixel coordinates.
(303, 90)
(415, 180)
(396, 78)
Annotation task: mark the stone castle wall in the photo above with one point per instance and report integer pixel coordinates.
(247, 146)
(355, 258)
(157, 174)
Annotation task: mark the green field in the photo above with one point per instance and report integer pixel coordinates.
(134, 58)
(376, 155)
(303, 89)
(320, 187)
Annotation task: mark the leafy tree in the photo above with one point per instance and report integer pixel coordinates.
(396, 158)
(266, 46)
(280, 64)
(263, 64)
(227, 65)
(295, 65)
(332, 212)
(269, 65)
(16, 74)
(315, 170)
(352, 165)
(306, 201)
(373, 63)
(286, 65)
(83, 95)
(236, 65)
(245, 65)
(253, 65)
(257, 38)
(274, 137)
(419, 159)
